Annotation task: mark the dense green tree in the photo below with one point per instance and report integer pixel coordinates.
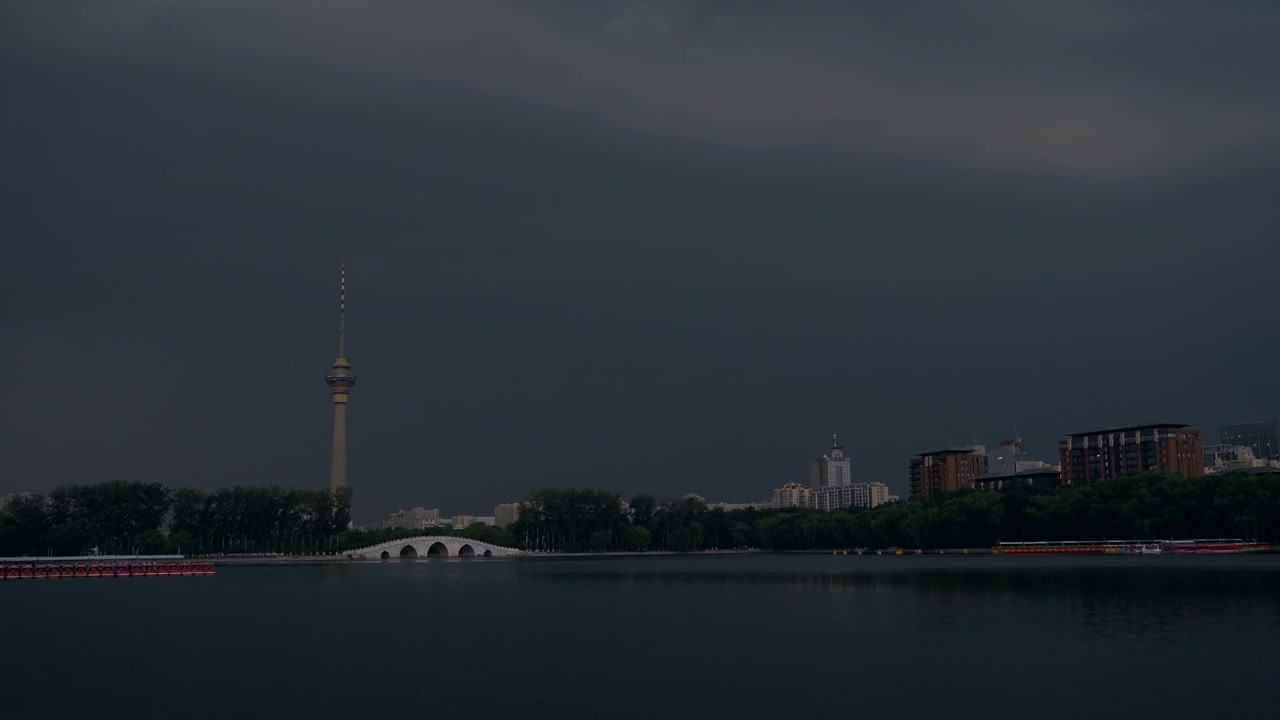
(124, 517)
(25, 522)
(642, 508)
(489, 534)
(565, 519)
(635, 539)
(601, 540)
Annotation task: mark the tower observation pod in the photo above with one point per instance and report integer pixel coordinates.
(340, 379)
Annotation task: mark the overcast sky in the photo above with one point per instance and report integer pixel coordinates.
(644, 246)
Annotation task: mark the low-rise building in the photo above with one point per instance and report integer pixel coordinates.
(415, 519)
(1047, 475)
(1233, 458)
(731, 507)
(855, 495)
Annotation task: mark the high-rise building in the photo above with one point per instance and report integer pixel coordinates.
(831, 469)
(340, 379)
(1262, 437)
(935, 473)
(506, 514)
(791, 495)
(831, 480)
(1109, 453)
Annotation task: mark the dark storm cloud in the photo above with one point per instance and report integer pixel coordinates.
(1093, 89)
(666, 246)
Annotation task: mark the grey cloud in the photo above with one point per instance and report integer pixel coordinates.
(1033, 87)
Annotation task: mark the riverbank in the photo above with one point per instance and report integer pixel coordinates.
(277, 560)
(244, 560)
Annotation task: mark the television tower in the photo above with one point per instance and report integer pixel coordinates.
(340, 380)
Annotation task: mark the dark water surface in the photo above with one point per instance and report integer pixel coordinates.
(682, 637)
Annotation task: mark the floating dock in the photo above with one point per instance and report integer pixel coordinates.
(102, 567)
(1231, 546)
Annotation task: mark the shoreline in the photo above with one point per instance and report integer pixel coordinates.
(268, 560)
(285, 560)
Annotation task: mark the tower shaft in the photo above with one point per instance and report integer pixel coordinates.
(338, 463)
(340, 379)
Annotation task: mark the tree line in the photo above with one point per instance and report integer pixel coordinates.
(122, 517)
(1151, 506)
(127, 517)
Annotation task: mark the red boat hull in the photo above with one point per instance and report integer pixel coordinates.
(41, 570)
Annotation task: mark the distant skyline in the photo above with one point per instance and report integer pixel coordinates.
(644, 246)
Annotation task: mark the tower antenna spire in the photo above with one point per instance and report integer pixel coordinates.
(342, 312)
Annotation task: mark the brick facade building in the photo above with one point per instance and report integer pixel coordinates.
(944, 471)
(1110, 453)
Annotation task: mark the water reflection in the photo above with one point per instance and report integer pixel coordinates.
(1154, 583)
(1136, 598)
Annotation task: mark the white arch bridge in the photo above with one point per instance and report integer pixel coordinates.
(431, 546)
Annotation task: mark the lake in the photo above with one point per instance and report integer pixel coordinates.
(742, 636)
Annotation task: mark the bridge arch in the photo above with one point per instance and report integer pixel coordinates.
(435, 546)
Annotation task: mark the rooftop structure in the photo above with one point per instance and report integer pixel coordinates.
(791, 495)
(1127, 428)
